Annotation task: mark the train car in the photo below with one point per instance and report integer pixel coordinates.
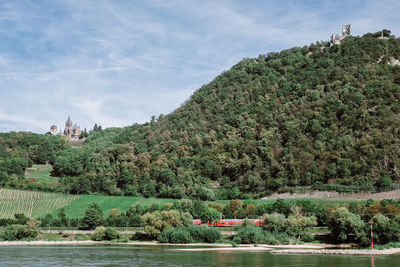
(228, 222)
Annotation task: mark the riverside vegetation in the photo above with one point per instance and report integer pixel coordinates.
(285, 222)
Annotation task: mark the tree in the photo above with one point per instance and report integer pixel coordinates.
(346, 226)
(209, 215)
(62, 217)
(93, 216)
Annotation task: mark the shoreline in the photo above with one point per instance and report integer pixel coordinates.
(303, 249)
(349, 252)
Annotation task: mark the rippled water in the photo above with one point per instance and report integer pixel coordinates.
(167, 256)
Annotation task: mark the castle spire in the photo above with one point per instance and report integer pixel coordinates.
(69, 122)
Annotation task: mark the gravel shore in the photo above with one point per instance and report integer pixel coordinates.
(388, 251)
(395, 194)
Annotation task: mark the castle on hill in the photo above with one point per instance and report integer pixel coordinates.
(346, 31)
(71, 131)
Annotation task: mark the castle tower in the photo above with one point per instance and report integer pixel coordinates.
(68, 128)
(53, 129)
(346, 30)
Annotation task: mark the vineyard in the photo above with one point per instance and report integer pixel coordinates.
(31, 203)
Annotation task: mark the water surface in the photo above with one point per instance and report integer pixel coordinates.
(103, 255)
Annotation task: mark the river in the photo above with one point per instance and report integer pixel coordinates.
(103, 255)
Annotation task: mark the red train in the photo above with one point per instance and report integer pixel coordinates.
(228, 222)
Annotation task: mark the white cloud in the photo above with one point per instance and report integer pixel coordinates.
(119, 62)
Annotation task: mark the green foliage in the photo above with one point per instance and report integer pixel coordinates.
(386, 230)
(177, 235)
(18, 231)
(111, 234)
(274, 222)
(93, 216)
(204, 234)
(156, 222)
(250, 234)
(12, 232)
(209, 215)
(99, 233)
(346, 226)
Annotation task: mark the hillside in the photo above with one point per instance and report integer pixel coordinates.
(318, 114)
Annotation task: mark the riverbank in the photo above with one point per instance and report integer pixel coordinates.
(302, 249)
(356, 252)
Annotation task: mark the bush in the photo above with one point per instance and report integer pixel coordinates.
(99, 233)
(18, 231)
(93, 216)
(111, 234)
(386, 230)
(178, 235)
(12, 232)
(102, 233)
(346, 226)
(209, 215)
(274, 222)
(204, 234)
(250, 234)
(307, 238)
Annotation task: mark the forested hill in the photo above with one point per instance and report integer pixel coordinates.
(319, 113)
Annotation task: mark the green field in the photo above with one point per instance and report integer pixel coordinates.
(41, 173)
(77, 208)
(31, 203)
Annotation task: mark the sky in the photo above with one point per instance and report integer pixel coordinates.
(116, 62)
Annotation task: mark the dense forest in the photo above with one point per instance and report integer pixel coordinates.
(318, 114)
(19, 150)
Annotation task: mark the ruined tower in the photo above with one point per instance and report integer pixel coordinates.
(346, 31)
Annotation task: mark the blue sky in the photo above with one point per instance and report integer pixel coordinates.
(116, 63)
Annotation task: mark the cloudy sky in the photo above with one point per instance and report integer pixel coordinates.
(116, 63)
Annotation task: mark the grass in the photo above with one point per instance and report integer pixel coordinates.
(31, 203)
(388, 245)
(77, 208)
(41, 173)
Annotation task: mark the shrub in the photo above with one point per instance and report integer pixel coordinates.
(274, 222)
(31, 228)
(99, 233)
(307, 238)
(281, 206)
(18, 231)
(156, 222)
(12, 232)
(386, 230)
(204, 233)
(250, 234)
(177, 235)
(346, 226)
(111, 234)
(209, 215)
(93, 216)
